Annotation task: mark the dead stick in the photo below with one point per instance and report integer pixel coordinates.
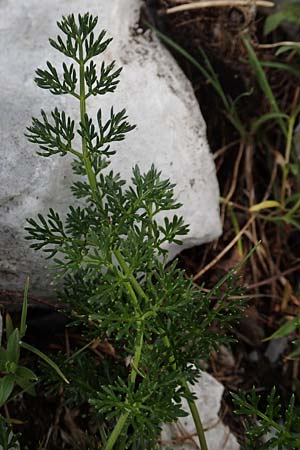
(274, 277)
(225, 250)
(217, 3)
(279, 44)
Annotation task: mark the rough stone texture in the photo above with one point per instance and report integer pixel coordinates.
(182, 434)
(170, 129)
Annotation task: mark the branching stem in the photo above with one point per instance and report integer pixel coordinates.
(191, 403)
(87, 162)
(152, 194)
(135, 284)
(137, 353)
(196, 417)
(116, 431)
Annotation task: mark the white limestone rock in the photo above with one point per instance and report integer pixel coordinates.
(170, 129)
(182, 434)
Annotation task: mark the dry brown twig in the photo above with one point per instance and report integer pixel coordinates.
(180, 2)
(223, 149)
(278, 44)
(234, 180)
(217, 3)
(225, 250)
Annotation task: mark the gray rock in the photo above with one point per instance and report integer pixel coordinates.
(182, 434)
(276, 348)
(170, 129)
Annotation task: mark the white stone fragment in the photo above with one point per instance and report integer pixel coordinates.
(182, 434)
(276, 348)
(170, 129)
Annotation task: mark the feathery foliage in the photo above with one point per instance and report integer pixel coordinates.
(111, 250)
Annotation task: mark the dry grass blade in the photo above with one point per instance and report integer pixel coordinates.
(225, 250)
(278, 44)
(216, 4)
(180, 2)
(234, 179)
(277, 276)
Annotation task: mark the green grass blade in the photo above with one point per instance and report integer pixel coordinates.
(23, 325)
(9, 327)
(45, 358)
(286, 329)
(264, 84)
(286, 48)
(265, 118)
(209, 74)
(6, 387)
(281, 66)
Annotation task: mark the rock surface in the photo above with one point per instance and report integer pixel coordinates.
(182, 434)
(170, 129)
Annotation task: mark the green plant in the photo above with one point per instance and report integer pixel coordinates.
(284, 209)
(111, 252)
(8, 439)
(286, 330)
(269, 428)
(13, 374)
(289, 12)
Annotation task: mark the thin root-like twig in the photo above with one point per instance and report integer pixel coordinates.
(278, 44)
(216, 4)
(234, 181)
(274, 277)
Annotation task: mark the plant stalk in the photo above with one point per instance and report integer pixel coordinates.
(137, 353)
(196, 418)
(191, 403)
(135, 284)
(287, 156)
(116, 431)
(87, 162)
(123, 418)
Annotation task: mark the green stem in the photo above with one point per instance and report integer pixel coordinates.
(133, 297)
(140, 328)
(191, 403)
(116, 431)
(123, 418)
(140, 292)
(85, 153)
(131, 278)
(137, 353)
(293, 210)
(287, 157)
(123, 439)
(75, 152)
(196, 417)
